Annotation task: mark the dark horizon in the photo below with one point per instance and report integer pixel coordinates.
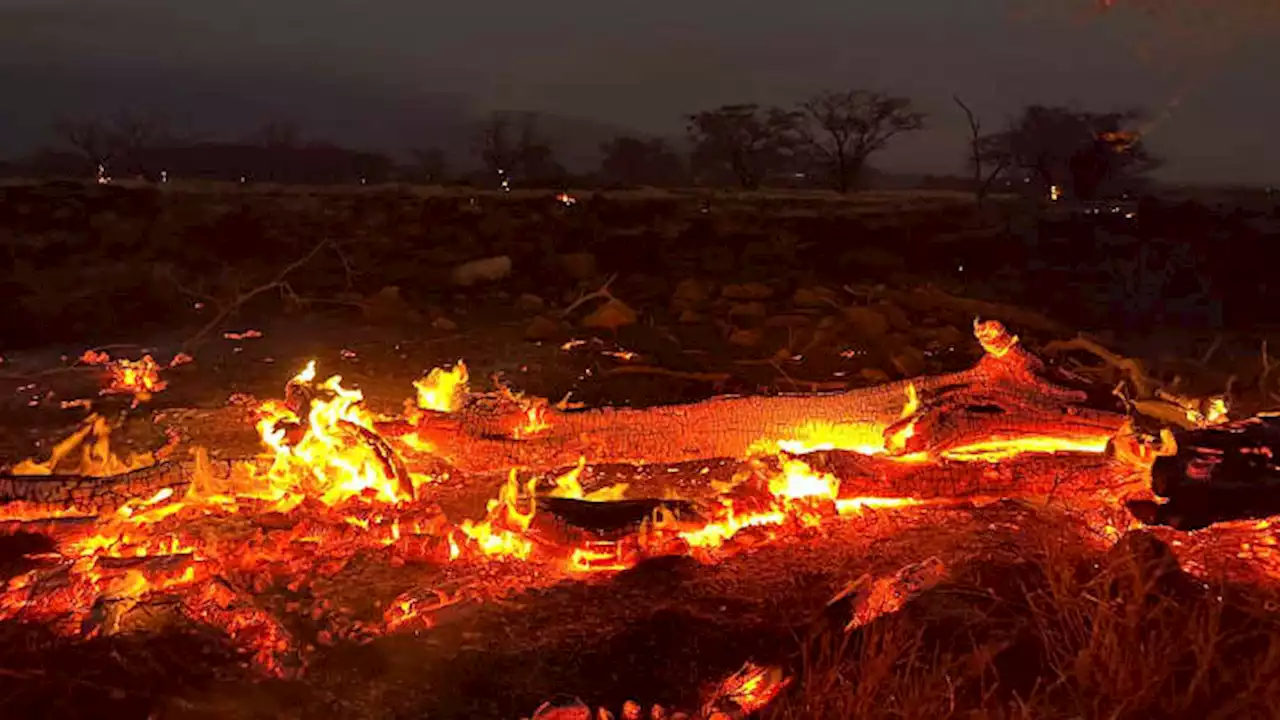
(413, 77)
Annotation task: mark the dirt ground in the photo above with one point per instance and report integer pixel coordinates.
(760, 311)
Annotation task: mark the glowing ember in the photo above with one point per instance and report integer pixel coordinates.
(749, 690)
(338, 455)
(501, 533)
(140, 378)
(443, 390)
(93, 459)
(993, 336)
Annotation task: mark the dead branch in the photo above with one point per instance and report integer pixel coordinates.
(603, 293)
(1267, 366)
(1143, 384)
(1208, 354)
(279, 282)
(664, 372)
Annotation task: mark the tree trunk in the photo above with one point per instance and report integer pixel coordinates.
(1005, 399)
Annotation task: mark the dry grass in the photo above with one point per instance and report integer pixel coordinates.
(1059, 634)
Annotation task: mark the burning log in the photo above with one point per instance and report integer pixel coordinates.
(98, 494)
(1223, 472)
(1027, 476)
(1009, 398)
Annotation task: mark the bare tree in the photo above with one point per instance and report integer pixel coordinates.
(121, 139)
(90, 138)
(986, 160)
(744, 142)
(510, 146)
(843, 129)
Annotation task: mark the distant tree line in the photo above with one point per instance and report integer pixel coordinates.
(828, 140)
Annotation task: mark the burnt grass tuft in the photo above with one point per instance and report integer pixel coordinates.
(1058, 633)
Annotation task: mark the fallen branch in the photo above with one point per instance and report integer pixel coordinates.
(1006, 397)
(711, 377)
(603, 293)
(227, 309)
(1143, 384)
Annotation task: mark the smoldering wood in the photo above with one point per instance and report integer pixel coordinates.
(1225, 472)
(615, 517)
(1004, 397)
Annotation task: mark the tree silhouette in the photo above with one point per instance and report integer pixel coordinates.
(119, 139)
(843, 129)
(986, 160)
(510, 147)
(745, 143)
(630, 160)
(1084, 153)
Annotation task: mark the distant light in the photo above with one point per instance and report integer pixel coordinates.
(164, 176)
(1055, 193)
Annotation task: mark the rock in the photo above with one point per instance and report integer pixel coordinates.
(445, 324)
(690, 317)
(747, 291)
(481, 271)
(871, 257)
(908, 360)
(610, 316)
(788, 321)
(866, 323)
(875, 375)
(746, 338)
(897, 317)
(689, 294)
(579, 266)
(542, 328)
(529, 303)
(815, 297)
(896, 341)
(748, 310)
(387, 305)
(717, 260)
(948, 336)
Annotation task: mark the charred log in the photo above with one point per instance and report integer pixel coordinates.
(1007, 396)
(612, 518)
(1220, 473)
(101, 494)
(1029, 476)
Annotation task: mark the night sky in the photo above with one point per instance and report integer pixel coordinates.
(625, 63)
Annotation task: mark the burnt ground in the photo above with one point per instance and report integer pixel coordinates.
(740, 323)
